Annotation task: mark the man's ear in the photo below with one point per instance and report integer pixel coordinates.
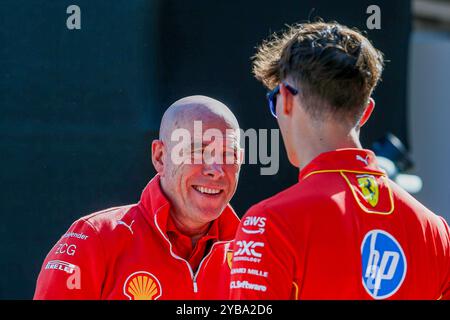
(367, 112)
(158, 156)
(287, 100)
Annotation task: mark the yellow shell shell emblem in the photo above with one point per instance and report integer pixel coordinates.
(369, 187)
(142, 285)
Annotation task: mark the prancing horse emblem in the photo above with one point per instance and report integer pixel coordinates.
(369, 187)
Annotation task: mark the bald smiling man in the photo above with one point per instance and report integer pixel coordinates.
(175, 242)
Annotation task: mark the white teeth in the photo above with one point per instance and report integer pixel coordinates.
(207, 190)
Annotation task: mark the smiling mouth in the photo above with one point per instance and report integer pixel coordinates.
(208, 191)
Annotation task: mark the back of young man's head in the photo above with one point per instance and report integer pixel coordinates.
(335, 68)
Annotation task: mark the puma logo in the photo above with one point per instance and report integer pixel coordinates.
(366, 160)
(120, 222)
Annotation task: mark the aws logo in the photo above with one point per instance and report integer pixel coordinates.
(254, 225)
(142, 285)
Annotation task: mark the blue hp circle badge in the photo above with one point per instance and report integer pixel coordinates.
(383, 264)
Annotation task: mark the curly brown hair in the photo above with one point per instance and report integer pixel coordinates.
(336, 68)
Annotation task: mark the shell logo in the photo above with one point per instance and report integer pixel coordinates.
(142, 285)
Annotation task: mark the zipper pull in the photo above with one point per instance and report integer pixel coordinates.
(195, 287)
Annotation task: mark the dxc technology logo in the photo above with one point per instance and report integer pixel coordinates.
(383, 264)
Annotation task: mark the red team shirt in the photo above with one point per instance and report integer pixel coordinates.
(135, 252)
(344, 231)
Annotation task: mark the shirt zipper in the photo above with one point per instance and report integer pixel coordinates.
(195, 287)
(193, 276)
(201, 262)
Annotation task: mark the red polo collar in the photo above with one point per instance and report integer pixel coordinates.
(350, 160)
(212, 234)
(182, 244)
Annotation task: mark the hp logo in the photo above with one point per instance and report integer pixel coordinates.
(383, 264)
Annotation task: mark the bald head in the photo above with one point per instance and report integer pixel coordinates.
(197, 157)
(185, 111)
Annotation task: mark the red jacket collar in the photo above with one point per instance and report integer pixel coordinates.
(213, 231)
(360, 160)
(155, 203)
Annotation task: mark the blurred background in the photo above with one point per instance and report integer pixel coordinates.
(79, 108)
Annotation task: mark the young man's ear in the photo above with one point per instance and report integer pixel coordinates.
(287, 100)
(367, 112)
(157, 156)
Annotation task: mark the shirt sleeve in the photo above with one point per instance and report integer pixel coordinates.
(263, 260)
(74, 268)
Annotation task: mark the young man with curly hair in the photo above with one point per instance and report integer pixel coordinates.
(345, 230)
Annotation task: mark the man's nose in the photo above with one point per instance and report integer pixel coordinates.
(213, 170)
